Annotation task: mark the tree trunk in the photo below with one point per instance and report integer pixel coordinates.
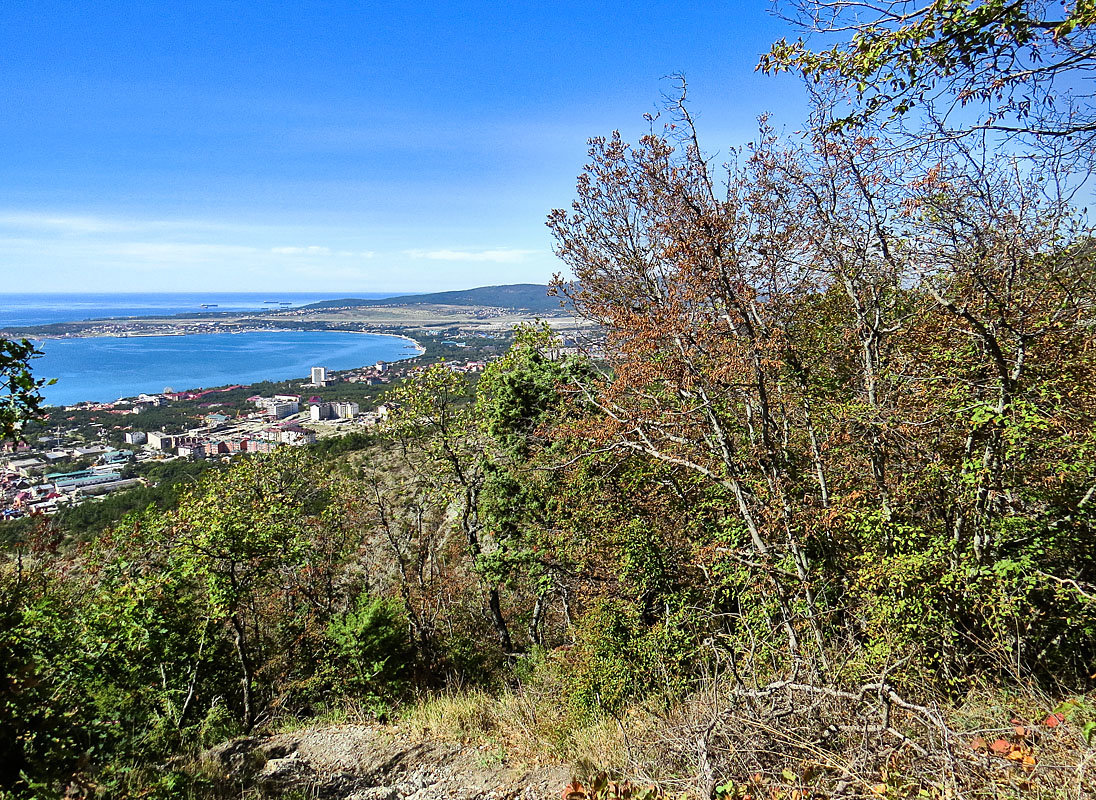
(245, 675)
(499, 621)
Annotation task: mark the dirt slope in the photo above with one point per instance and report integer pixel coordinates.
(358, 762)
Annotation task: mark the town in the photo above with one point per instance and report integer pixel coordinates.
(66, 466)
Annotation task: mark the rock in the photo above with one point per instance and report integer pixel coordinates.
(279, 774)
(238, 759)
(375, 793)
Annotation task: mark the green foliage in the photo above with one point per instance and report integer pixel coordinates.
(180, 627)
(19, 397)
(523, 393)
(619, 657)
(40, 739)
(896, 59)
(372, 654)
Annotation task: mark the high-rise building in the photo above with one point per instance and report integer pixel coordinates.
(345, 410)
(319, 376)
(282, 410)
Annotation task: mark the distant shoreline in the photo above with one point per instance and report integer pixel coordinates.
(227, 370)
(142, 335)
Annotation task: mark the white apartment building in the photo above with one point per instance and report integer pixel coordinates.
(345, 410)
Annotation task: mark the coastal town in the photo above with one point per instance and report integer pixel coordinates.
(86, 451)
(66, 467)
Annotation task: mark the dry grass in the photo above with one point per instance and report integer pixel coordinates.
(528, 726)
(790, 741)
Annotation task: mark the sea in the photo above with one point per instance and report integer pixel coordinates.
(41, 309)
(104, 369)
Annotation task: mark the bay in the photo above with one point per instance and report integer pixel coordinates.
(104, 369)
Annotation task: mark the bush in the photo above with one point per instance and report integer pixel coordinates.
(372, 649)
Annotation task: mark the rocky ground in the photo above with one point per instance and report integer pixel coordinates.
(358, 762)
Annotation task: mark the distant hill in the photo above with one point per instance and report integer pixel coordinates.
(526, 296)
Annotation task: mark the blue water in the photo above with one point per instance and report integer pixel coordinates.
(41, 309)
(107, 368)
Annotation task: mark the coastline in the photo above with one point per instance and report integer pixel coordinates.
(210, 367)
(419, 347)
(190, 330)
(45, 337)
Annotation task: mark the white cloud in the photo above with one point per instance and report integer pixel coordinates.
(57, 250)
(83, 225)
(312, 250)
(316, 250)
(500, 255)
(63, 224)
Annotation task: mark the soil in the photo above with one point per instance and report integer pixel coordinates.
(361, 762)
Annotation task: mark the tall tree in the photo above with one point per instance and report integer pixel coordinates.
(843, 342)
(1013, 66)
(443, 445)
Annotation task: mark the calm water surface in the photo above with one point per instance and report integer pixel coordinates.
(105, 369)
(41, 308)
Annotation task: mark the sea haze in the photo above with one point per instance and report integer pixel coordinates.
(107, 368)
(42, 309)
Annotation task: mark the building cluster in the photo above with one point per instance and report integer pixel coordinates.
(466, 367)
(146, 401)
(46, 476)
(275, 422)
(373, 375)
(29, 483)
(337, 410)
(269, 427)
(279, 406)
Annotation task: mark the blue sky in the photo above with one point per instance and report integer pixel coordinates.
(336, 146)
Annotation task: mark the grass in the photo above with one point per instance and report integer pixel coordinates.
(713, 739)
(527, 728)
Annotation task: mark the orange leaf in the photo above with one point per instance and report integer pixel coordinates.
(1000, 747)
(1054, 720)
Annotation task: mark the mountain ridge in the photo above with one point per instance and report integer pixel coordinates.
(527, 296)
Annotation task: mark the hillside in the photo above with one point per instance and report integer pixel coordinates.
(527, 296)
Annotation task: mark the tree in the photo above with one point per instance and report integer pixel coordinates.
(19, 390)
(266, 546)
(841, 346)
(697, 292)
(435, 426)
(520, 400)
(1013, 66)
